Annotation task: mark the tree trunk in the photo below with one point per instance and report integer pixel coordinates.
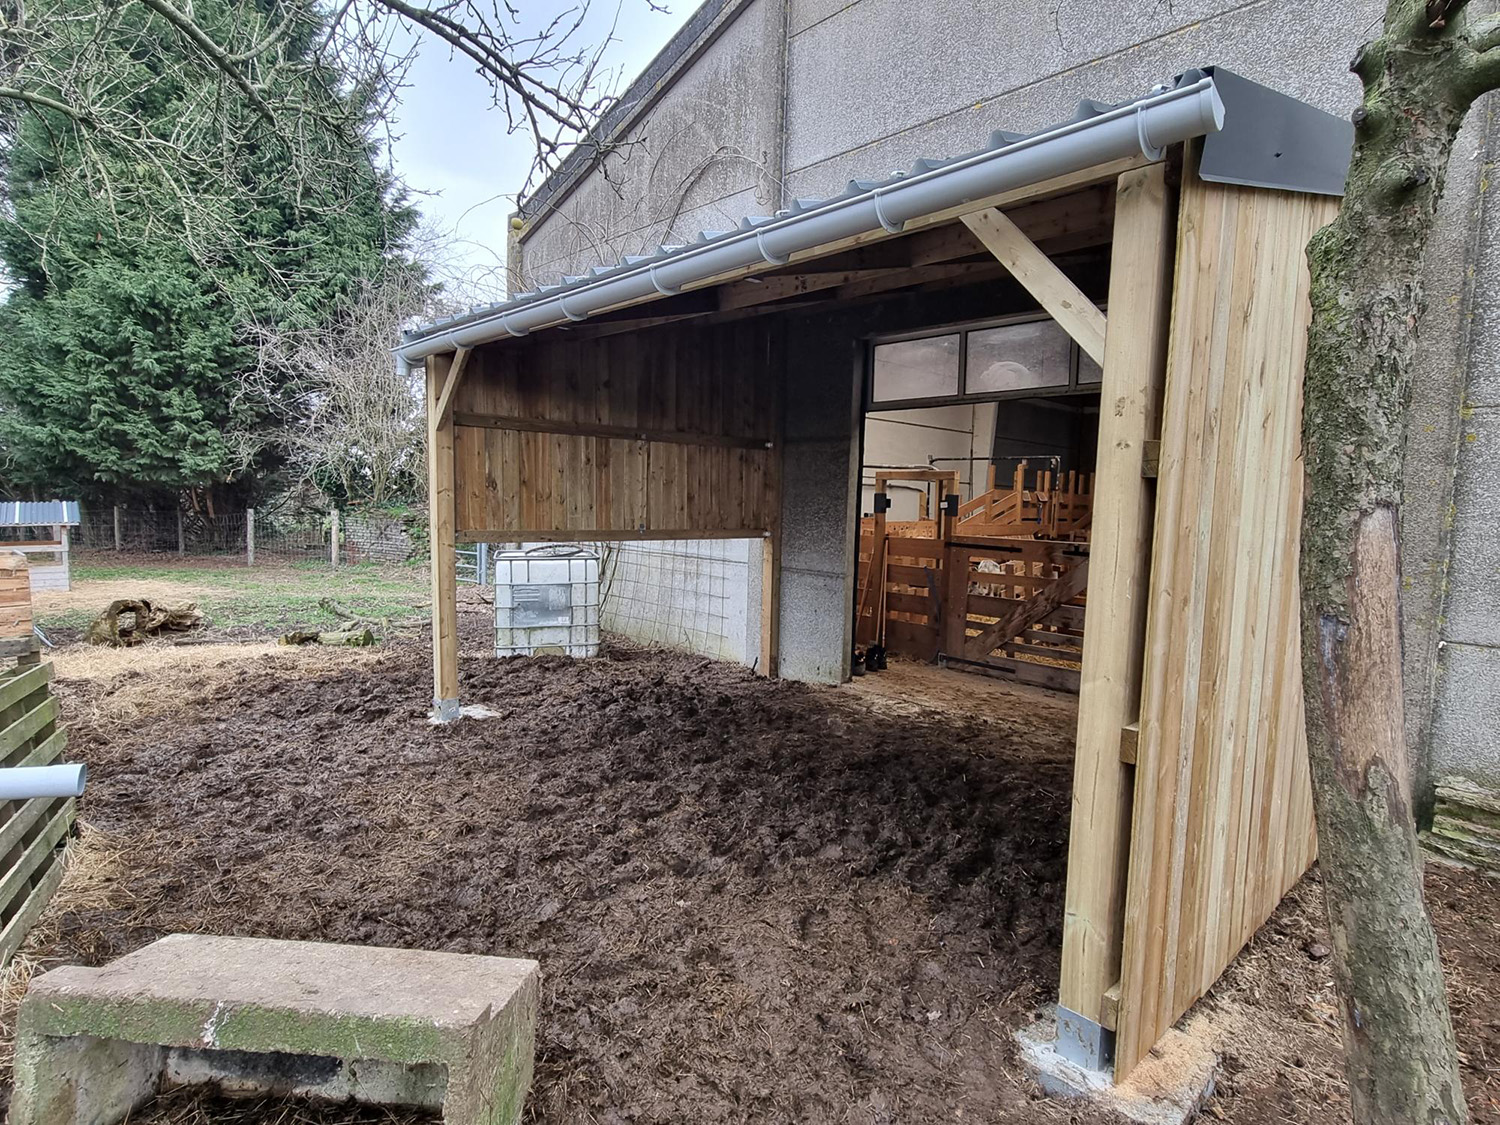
(1420, 77)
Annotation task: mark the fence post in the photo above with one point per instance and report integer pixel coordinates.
(181, 541)
(333, 542)
(249, 536)
(117, 527)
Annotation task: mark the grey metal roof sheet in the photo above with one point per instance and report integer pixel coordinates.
(38, 513)
(1286, 168)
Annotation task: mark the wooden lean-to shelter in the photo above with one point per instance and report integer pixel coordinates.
(718, 389)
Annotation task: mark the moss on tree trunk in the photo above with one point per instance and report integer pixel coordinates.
(1420, 77)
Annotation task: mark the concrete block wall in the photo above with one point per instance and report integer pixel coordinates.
(778, 99)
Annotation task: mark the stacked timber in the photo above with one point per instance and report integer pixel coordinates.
(15, 604)
(1466, 825)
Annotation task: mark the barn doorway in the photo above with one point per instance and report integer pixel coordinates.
(977, 475)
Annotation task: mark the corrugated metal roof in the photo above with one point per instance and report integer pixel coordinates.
(38, 513)
(1283, 170)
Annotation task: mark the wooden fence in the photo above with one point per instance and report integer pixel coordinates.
(32, 833)
(1040, 504)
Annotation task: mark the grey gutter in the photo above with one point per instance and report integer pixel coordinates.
(1147, 126)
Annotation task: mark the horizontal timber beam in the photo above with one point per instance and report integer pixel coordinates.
(594, 429)
(1043, 191)
(599, 535)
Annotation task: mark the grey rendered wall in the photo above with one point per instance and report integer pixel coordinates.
(820, 481)
(700, 156)
(1450, 536)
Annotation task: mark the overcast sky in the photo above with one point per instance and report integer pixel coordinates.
(453, 150)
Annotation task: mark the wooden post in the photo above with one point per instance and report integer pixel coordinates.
(333, 541)
(117, 527)
(65, 537)
(769, 663)
(181, 539)
(249, 536)
(1140, 295)
(442, 521)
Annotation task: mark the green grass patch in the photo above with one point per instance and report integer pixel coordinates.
(275, 598)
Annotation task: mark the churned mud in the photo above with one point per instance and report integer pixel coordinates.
(753, 901)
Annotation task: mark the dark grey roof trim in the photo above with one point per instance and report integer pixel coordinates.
(1275, 141)
(1300, 148)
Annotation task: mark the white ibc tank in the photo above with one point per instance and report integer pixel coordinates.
(547, 601)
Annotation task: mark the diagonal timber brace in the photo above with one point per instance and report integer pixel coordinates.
(1039, 275)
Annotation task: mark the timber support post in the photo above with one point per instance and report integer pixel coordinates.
(333, 541)
(117, 527)
(1140, 297)
(181, 538)
(442, 531)
(249, 536)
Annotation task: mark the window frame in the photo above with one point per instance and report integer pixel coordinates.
(962, 330)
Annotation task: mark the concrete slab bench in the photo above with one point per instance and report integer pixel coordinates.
(388, 1026)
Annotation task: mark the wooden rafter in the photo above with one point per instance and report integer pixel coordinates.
(1052, 288)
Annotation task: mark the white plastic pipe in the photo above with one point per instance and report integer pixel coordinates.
(21, 783)
(1147, 126)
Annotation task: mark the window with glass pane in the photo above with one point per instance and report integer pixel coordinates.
(1088, 370)
(1016, 357)
(916, 369)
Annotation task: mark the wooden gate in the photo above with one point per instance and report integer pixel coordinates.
(998, 588)
(1221, 819)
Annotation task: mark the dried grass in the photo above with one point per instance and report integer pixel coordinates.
(158, 677)
(93, 880)
(200, 1106)
(95, 595)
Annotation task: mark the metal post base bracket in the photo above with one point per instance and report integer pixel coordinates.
(1083, 1042)
(445, 711)
(1062, 1052)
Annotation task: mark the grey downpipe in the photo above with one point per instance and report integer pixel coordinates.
(1147, 126)
(22, 783)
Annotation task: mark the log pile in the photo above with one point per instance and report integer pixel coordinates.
(1466, 825)
(130, 621)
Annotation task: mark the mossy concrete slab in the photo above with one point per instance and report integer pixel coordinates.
(380, 1025)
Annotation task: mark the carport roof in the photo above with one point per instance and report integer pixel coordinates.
(1255, 136)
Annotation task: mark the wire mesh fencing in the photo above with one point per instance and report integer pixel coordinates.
(691, 594)
(258, 537)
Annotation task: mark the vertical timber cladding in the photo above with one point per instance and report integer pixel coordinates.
(654, 433)
(1222, 821)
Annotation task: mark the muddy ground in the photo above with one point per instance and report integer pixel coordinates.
(752, 900)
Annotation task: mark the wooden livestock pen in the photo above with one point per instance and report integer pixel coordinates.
(997, 586)
(718, 389)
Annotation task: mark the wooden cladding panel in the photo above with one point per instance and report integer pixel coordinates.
(511, 481)
(650, 433)
(714, 380)
(1222, 822)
